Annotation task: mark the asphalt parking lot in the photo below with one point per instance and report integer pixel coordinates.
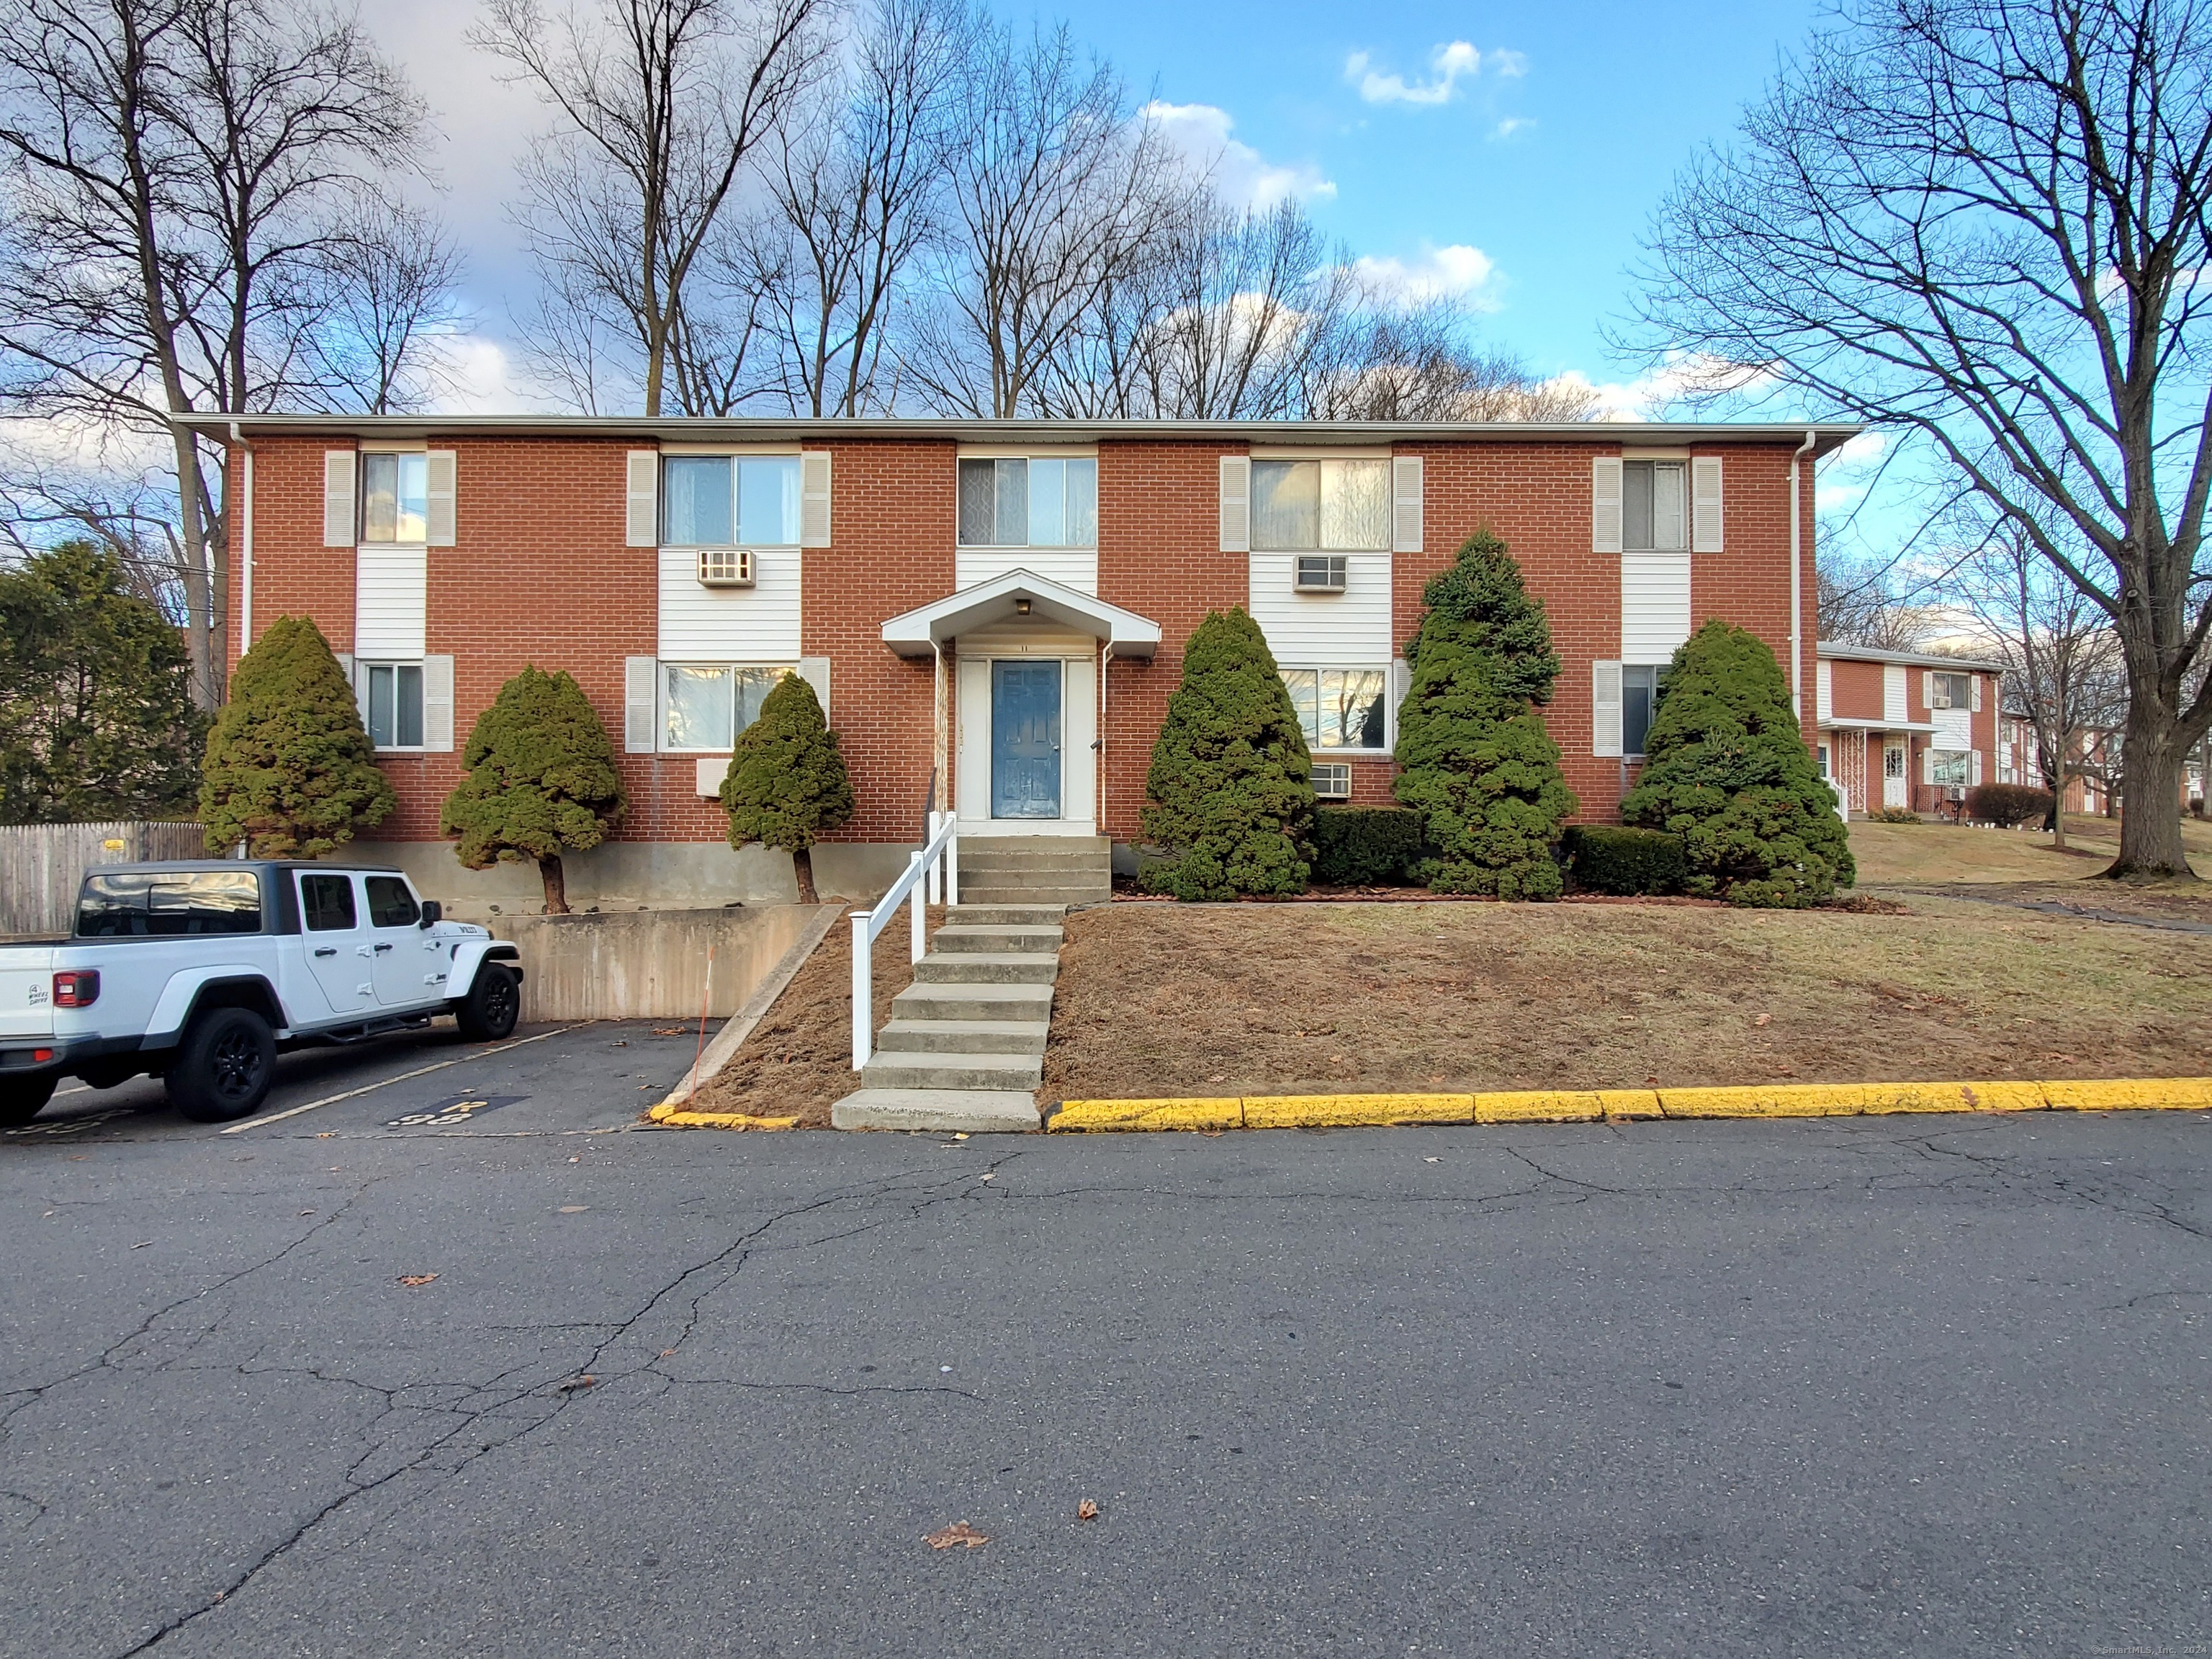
(594, 1076)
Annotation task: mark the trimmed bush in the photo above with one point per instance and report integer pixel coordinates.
(1230, 787)
(1362, 846)
(290, 771)
(1728, 771)
(1603, 858)
(787, 782)
(542, 780)
(2008, 805)
(1894, 815)
(1479, 764)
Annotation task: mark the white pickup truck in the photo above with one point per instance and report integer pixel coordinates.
(196, 972)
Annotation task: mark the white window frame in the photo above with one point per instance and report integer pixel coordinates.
(1631, 466)
(364, 673)
(733, 456)
(369, 455)
(1638, 669)
(1389, 701)
(1939, 759)
(1936, 677)
(1027, 457)
(661, 745)
(1389, 500)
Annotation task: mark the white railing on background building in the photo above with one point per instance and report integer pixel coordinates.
(932, 877)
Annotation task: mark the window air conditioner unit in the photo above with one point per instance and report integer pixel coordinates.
(1332, 781)
(726, 567)
(1320, 573)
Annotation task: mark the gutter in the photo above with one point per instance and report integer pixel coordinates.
(245, 541)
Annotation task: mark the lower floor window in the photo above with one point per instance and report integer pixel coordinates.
(1947, 768)
(1341, 707)
(706, 705)
(393, 692)
(1640, 694)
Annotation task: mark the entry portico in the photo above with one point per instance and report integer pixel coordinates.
(1020, 684)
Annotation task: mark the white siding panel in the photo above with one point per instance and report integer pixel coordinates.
(1350, 629)
(1955, 728)
(390, 595)
(1892, 693)
(1071, 566)
(759, 624)
(1825, 693)
(1655, 606)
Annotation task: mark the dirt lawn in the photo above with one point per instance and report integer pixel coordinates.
(1164, 999)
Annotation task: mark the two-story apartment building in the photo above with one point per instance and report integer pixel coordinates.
(992, 612)
(1906, 729)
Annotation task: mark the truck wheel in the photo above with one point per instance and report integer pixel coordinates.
(224, 1066)
(21, 1097)
(494, 1002)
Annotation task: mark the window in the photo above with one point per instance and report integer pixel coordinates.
(1012, 501)
(1893, 763)
(395, 497)
(1339, 707)
(1332, 781)
(706, 705)
(729, 501)
(1950, 691)
(1297, 505)
(1651, 506)
(327, 904)
(1824, 761)
(1946, 768)
(392, 694)
(1639, 695)
(389, 903)
(136, 903)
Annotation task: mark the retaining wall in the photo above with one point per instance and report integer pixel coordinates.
(647, 964)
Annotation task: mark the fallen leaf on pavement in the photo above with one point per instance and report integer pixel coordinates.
(670, 1031)
(1086, 1510)
(958, 1532)
(576, 1382)
(411, 1280)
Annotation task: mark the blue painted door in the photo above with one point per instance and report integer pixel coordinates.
(1025, 739)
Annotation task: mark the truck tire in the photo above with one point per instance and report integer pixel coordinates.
(22, 1097)
(493, 1004)
(224, 1066)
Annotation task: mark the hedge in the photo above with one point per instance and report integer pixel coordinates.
(1361, 846)
(2010, 804)
(1606, 859)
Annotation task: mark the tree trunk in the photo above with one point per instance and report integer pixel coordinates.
(802, 865)
(2150, 800)
(556, 885)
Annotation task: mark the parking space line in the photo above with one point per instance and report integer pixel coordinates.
(370, 1088)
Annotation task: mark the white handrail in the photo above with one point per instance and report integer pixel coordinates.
(932, 874)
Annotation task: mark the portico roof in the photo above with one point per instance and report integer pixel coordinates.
(919, 633)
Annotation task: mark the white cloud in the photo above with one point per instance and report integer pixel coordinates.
(1511, 124)
(1446, 65)
(1240, 172)
(1509, 65)
(1650, 395)
(1456, 272)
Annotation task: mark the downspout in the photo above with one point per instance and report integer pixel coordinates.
(1098, 742)
(1798, 581)
(245, 543)
(939, 759)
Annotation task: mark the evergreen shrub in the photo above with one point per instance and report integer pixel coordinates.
(1364, 846)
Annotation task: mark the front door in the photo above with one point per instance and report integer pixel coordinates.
(1025, 739)
(1893, 775)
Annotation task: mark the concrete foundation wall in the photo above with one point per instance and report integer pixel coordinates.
(647, 964)
(631, 875)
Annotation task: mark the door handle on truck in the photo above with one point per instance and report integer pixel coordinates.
(328, 951)
(381, 949)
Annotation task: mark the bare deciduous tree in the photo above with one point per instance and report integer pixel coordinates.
(1986, 221)
(1863, 602)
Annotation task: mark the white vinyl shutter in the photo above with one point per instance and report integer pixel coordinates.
(814, 498)
(338, 498)
(353, 679)
(815, 670)
(1974, 769)
(1706, 504)
(1978, 693)
(1406, 504)
(1927, 765)
(438, 704)
(1605, 708)
(1605, 510)
(1235, 504)
(641, 521)
(640, 703)
(440, 469)
(1928, 688)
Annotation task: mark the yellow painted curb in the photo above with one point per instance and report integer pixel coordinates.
(1886, 1098)
(1539, 1106)
(670, 1117)
(1223, 1114)
(2133, 1094)
(1346, 1111)
(1766, 1100)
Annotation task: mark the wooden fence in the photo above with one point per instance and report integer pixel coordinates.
(41, 864)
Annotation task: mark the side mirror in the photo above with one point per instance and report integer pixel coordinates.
(431, 912)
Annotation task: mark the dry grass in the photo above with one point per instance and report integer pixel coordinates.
(1157, 1000)
(1919, 854)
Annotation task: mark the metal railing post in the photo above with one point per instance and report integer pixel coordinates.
(953, 868)
(863, 1024)
(918, 903)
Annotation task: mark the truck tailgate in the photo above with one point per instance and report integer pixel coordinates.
(27, 974)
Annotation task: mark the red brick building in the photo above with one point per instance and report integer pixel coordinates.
(1905, 728)
(992, 612)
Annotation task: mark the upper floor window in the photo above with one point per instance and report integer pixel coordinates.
(1014, 500)
(1337, 505)
(395, 497)
(1950, 691)
(730, 501)
(1651, 506)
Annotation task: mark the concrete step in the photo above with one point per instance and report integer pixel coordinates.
(1030, 1004)
(976, 1111)
(987, 845)
(956, 1070)
(1059, 893)
(1004, 915)
(963, 1037)
(1002, 858)
(962, 935)
(988, 968)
